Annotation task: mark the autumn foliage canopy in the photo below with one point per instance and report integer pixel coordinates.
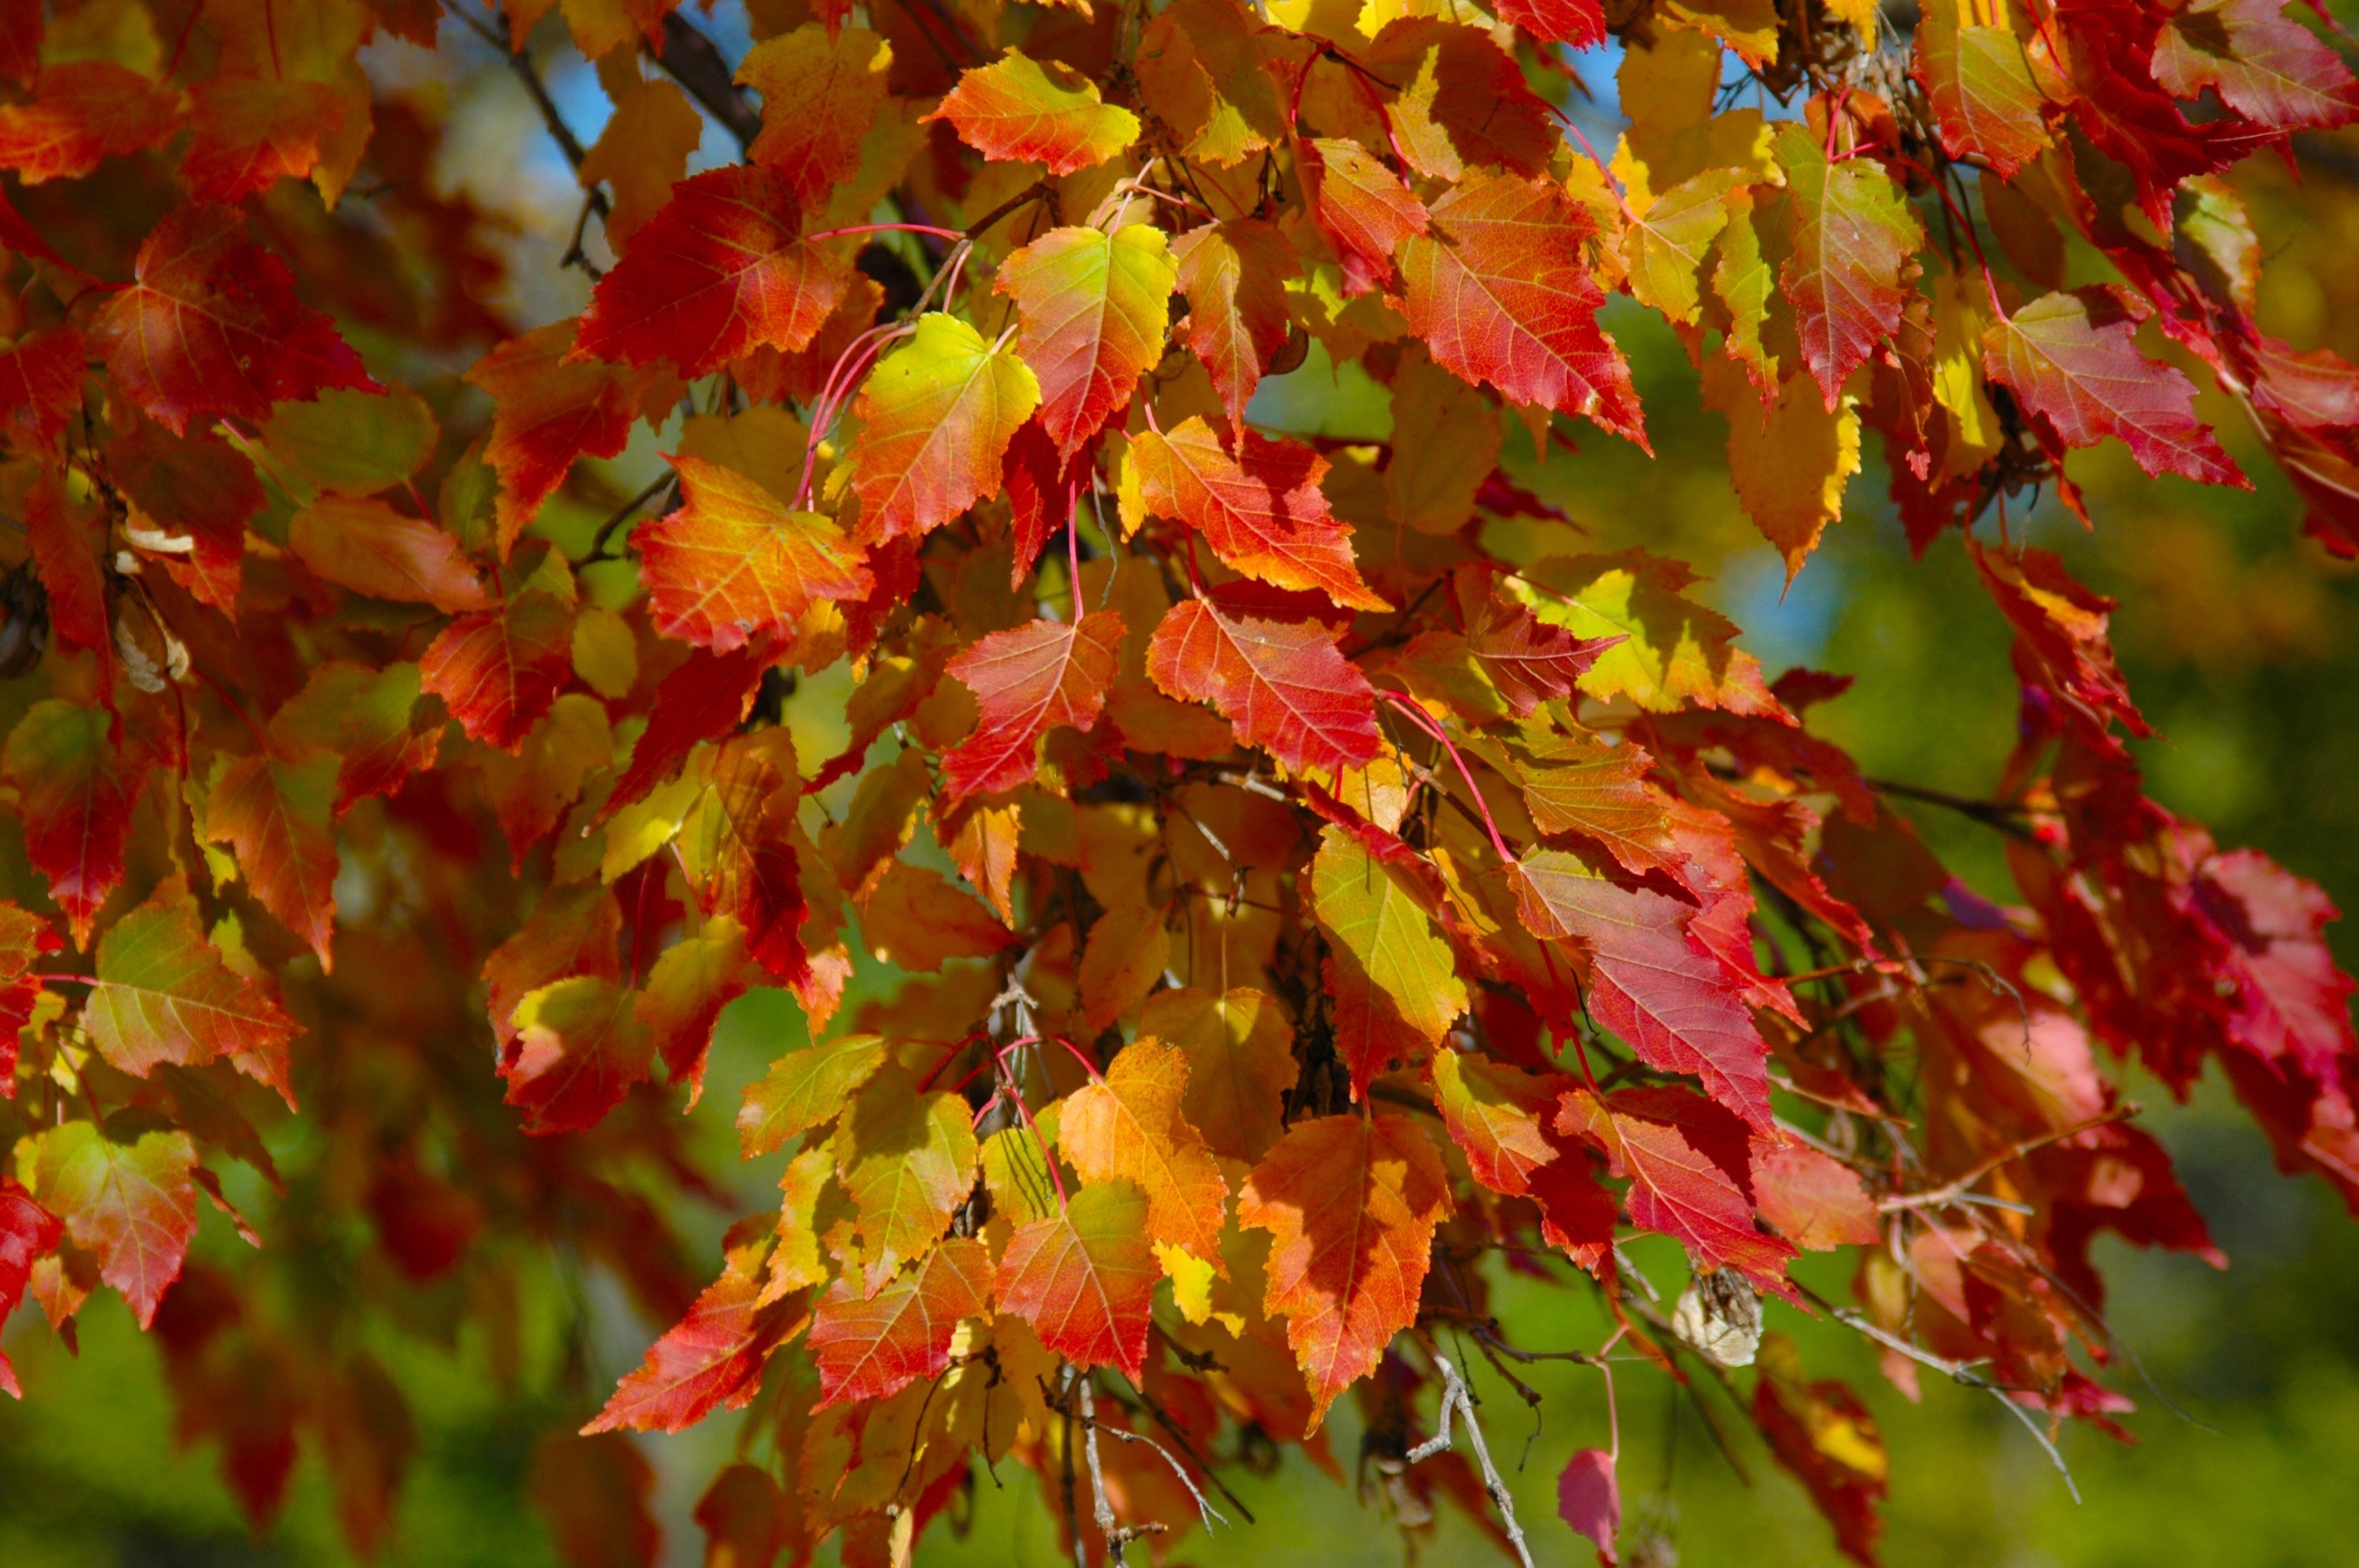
(1258, 895)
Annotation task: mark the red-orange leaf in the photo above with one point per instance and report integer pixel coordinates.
(820, 89)
(1028, 681)
(1852, 232)
(1085, 1278)
(131, 1205)
(1581, 23)
(936, 414)
(1234, 274)
(360, 543)
(735, 562)
(83, 112)
(1093, 308)
(719, 271)
(2072, 360)
(76, 793)
(211, 327)
(27, 1232)
(1503, 1118)
(276, 814)
(550, 408)
(578, 1049)
(1501, 292)
(1129, 1127)
(248, 133)
(1648, 983)
(1363, 208)
(1814, 1202)
(500, 669)
(1017, 108)
(866, 1349)
(164, 994)
(1686, 1161)
(710, 1360)
(1281, 684)
(1262, 511)
(1351, 1203)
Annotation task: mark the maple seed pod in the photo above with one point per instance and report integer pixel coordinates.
(23, 623)
(1719, 1317)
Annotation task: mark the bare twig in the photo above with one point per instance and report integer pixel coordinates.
(1951, 1192)
(1454, 1394)
(1961, 1372)
(623, 514)
(1117, 1536)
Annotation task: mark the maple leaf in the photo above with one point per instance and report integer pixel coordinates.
(1129, 1126)
(1581, 23)
(1979, 80)
(2062, 626)
(1500, 291)
(362, 543)
(550, 408)
(27, 1232)
(500, 669)
(68, 540)
(821, 91)
(1351, 1204)
(906, 1159)
(1094, 307)
(40, 385)
(1363, 208)
(75, 792)
(1019, 108)
(1240, 1064)
(1826, 1438)
(1282, 684)
(1853, 232)
(937, 414)
(868, 1349)
(164, 994)
(1084, 1277)
(1589, 1498)
(1462, 102)
(804, 1089)
(1668, 239)
(1028, 681)
(1374, 920)
(736, 847)
(2072, 360)
(1814, 1202)
(131, 1205)
(1579, 783)
(1502, 1119)
(81, 111)
(720, 270)
(706, 698)
(693, 980)
(1261, 509)
(1530, 661)
(1685, 1158)
(211, 327)
(733, 562)
(1648, 981)
(1129, 949)
(577, 1051)
(1674, 651)
(1234, 274)
(2265, 65)
(248, 133)
(711, 1360)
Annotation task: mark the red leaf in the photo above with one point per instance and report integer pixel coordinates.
(710, 1360)
(277, 814)
(1017, 108)
(866, 1349)
(706, 698)
(821, 91)
(2072, 360)
(1351, 1203)
(1093, 308)
(1128, 1126)
(550, 408)
(1679, 1150)
(363, 544)
(76, 795)
(1085, 1278)
(1027, 681)
(40, 385)
(1262, 511)
(248, 133)
(1589, 1498)
(1530, 661)
(1648, 981)
(1815, 1202)
(2061, 632)
(1822, 1434)
(718, 271)
(1282, 684)
(133, 1204)
(164, 994)
(211, 327)
(1363, 208)
(27, 1232)
(578, 1050)
(736, 847)
(735, 562)
(1852, 231)
(2265, 65)
(83, 112)
(1234, 274)
(66, 538)
(1500, 290)
(1581, 23)
(1504, 1120)
(500, 669)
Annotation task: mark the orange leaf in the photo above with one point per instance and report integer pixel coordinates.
(820, 94)
(277, 816)
(83, 112)
(550, 408)
(1234, 274)
(500, 669)
(1262, 511)
(1129, 1127)
(363, 544)
(1019, 108)
(1351, 1204)
(1094, 307)
(165, 995)
(866, 1349)
(735, 562)
(710, 1360)
(1028, 681)
(1084, 1279)
(1282, 684)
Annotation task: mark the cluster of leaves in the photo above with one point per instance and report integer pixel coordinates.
(1300, 895)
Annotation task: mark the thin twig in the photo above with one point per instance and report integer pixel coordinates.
(622, 515)
(1951, 1192)
(1453, 1394)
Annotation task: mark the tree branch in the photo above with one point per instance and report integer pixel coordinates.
(691, 58)
(1453, 1394)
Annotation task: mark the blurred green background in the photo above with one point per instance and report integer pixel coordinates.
(2239, 641)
